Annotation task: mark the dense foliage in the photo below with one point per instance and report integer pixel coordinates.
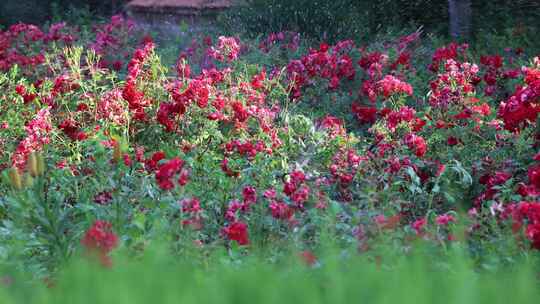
(263, 146)
(363, 19)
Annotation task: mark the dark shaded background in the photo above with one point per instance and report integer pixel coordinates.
(338, 19)
(40, 11)
(323, 19)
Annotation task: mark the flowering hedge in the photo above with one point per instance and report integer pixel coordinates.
(263, 144)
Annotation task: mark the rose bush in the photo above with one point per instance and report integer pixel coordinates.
(263, 144)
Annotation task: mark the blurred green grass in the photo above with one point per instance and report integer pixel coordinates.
(159, 278)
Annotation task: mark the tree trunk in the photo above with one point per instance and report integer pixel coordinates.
(460, 19)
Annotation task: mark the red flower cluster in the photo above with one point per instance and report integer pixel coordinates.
(192, 207)
(523, 107)
(240, 113)
(373, 63)
(296, 188)
(531, 213)
(532, 189)
(237, 231)
(391, 85)
(492, 181)
(445, 219)
(228, 48)
(343, 170)
(419, 225)
(111, 108)
(134, 97)
(495, 73)
(71, 128)
(416, 143)
(197, 91)
(37, 135)
(100, 240)
(364, 114)
(27, 97)
(451, 87)
(168, 170)
(19, 42)
(111, 41)
(332, 64)
(248, 149)
(228, 171)
(403, 115)
(278, 208)
(453, 51)
(333, 125)
(249, 197)
(308, 258)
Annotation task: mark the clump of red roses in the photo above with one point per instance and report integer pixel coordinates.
(528, 213)
(166, 171)
(100, 240)
(237, 231)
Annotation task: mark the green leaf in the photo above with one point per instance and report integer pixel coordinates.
(139, 221)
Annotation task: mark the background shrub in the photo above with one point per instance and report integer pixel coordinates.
(39, 11)
(361, 19)
(12, 11)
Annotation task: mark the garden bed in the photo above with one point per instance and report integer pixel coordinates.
(273, 150)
